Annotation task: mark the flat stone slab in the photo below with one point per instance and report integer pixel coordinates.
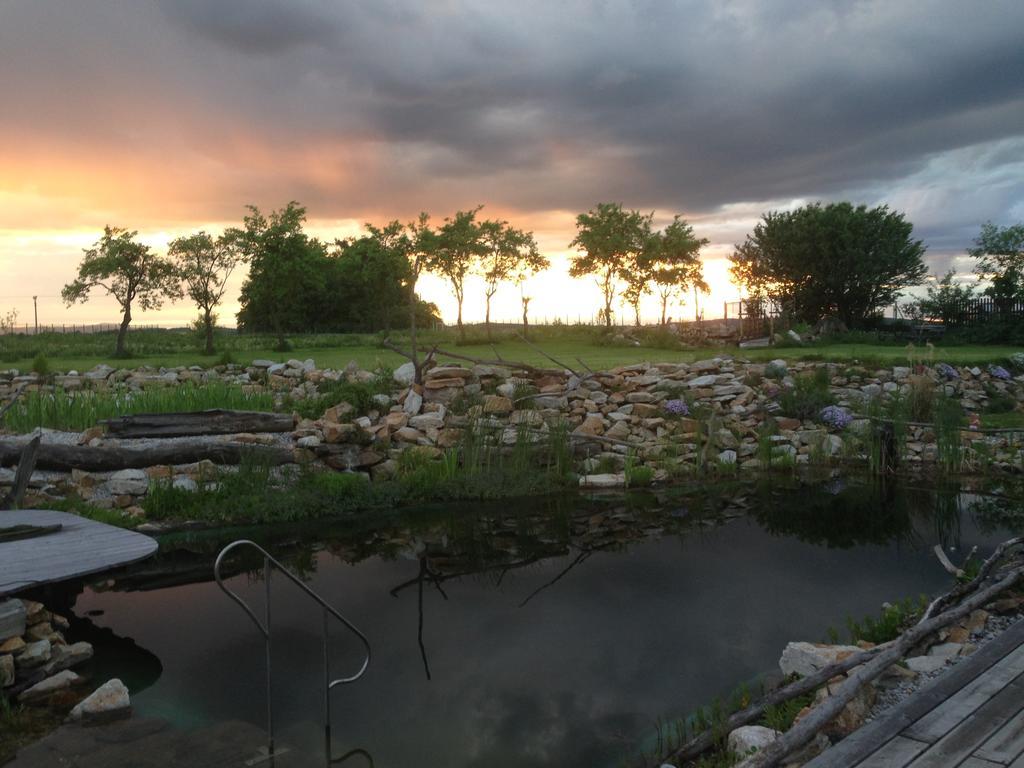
(80, 548)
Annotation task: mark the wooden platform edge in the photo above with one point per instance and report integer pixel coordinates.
(866, 740)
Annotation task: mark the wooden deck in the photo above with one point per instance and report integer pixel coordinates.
(82, 547)
(970, 717)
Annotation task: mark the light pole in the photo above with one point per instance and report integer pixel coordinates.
(35, 308)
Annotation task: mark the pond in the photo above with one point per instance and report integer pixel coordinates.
(550, 632)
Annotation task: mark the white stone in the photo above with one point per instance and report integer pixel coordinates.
(309, 441)
(926, 664)
(413, 402)
(59, 682)
(109, 701)
(702, 381)
(750, 738)
(133, 482)
(405, 374)
(727, 457)
(184, 483)
(946, 650)
(34, 654)
(603, 481)
(807, 658)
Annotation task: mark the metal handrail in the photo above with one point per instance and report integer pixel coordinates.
(269, 562)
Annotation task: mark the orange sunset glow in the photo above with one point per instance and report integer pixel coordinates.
(168, 118)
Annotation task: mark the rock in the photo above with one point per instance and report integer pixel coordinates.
(108, 702)
(640, 397)
(854, 714)
(51, 685)
(446, 372)
(310, 441)
(405, 374)
(12, 619)
(751, 738)
(339, 413)
(185, 483)
(34, 654)
(727, 457)
(413, 402)
(945, 650)
(12, 645)
(702, 381)
(93, 433)
(924, 665)
(6, 670)
(592, 425)
(794, 336)
(67, 656)
(40, 631)
(337, 433)
(128, 482)
(427, 421)
(603, 481)
(498, 405)
(807, 658)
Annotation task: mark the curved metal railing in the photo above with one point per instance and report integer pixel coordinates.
(269, 564)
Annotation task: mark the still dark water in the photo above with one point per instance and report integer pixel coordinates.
(530, 633)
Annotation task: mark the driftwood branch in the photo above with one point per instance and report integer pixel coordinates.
(805, 730)
(875, 661)
(26, 466)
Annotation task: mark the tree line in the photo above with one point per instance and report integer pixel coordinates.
(837, 260)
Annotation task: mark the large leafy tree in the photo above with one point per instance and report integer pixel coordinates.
(127, 270)
(673, 258)
(1000, 255)
(831, 260)
(458, 246)
(509, 254)
(610, 241)
(285, 291)
(204, 265)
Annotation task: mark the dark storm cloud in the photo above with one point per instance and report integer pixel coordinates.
(534, 105)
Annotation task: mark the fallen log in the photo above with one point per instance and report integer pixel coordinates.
(214, 422)
(65, 458)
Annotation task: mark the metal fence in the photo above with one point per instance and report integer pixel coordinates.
(30, 329)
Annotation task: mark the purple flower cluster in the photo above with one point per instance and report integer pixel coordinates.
(836, 417)
(947, 371)
(998, 372)
(677, 408)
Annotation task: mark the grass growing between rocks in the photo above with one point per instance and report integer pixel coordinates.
(480, 467)
(76, 411)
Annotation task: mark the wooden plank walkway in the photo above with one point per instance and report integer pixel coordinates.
(80, 548)
(972, 716)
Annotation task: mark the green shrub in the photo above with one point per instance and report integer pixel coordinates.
(808, 395)
(41, 366)
(891, 622)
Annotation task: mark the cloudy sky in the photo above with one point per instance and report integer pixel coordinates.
(170, 115)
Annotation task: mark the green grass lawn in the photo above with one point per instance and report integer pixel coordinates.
(567, 344)
(595, 356)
